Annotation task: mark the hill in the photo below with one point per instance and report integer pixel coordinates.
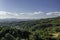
(43, 29)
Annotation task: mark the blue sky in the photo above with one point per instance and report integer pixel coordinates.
(28, 9)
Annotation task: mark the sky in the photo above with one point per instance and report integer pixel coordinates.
(29, 9)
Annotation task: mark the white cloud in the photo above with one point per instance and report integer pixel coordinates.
(33, 15)
(49, 13)
(53, 13)
(21, 13)
(39, 12)
(4, 14)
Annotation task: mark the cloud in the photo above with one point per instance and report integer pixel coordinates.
(53, 13)
(21, 13)
(4, 14)
(33, 15)
(39, 12)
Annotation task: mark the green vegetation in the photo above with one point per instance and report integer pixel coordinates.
(44, 29)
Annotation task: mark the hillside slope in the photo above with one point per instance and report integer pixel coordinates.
(43, 29)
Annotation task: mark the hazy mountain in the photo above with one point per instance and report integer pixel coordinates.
(16, 20)
(12, 20)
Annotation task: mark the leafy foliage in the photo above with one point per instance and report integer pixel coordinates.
(44, 29)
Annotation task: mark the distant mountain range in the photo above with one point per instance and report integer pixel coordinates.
(16, 20)
(12, 20)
